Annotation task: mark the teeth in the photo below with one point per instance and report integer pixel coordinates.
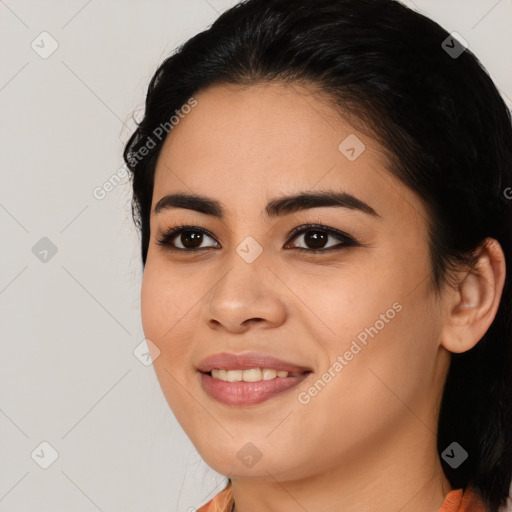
(234, 375)
(269, 374)
(252, 375)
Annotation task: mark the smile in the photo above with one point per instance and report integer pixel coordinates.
(248, 378)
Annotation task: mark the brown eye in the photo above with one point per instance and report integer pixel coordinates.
(185, 238)
(316, 238)
(190, 239)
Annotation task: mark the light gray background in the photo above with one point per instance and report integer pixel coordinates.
(69, 325)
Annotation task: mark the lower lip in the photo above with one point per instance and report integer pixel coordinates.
(248, 393)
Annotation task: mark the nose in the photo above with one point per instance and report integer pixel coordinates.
(247, 294)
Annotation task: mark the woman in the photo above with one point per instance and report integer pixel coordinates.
(321, 190)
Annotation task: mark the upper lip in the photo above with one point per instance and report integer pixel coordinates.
(246, 361)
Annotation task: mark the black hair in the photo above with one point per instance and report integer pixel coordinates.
(447, 135)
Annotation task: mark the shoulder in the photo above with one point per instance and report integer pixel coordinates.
(459, 500)
(222, 502)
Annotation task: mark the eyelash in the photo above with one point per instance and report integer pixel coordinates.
(346, 240)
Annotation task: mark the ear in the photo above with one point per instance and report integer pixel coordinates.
(470, 309)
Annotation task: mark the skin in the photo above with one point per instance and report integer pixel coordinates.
(367, 441)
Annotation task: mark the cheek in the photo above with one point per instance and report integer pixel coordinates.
(164, 320)
(164, 297)
(163, 308)
(380, 381)
(383, 326)
(153, 302)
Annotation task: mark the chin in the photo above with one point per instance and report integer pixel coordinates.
(248, 461)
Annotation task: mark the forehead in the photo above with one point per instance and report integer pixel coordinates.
(249, 144)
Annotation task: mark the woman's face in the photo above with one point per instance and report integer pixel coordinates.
(358, 321)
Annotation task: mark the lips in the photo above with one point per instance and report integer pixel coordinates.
(243, 393)
(246, 361)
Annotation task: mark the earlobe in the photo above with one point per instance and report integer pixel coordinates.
(472, 307)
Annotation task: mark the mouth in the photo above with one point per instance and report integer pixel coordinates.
(249, 378)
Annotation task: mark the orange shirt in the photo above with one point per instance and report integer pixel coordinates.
(455, 501)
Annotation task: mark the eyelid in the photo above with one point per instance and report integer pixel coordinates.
(319, 227)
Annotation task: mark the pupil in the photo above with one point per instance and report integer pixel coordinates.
(317, 240)
(193, 237)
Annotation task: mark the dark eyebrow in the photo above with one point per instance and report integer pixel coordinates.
(275, 208)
